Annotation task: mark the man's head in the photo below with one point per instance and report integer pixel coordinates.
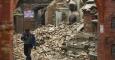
(27, 30)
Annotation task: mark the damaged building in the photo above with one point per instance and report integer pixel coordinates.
(64, 29)
(60, 11)
(30, 14)
(90, 16)
(60, 29)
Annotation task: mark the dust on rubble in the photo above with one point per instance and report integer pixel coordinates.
(59, 43)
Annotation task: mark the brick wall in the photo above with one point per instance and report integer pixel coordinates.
(6, 29)
(106, 38)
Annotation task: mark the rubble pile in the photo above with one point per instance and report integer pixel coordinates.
(59, 43)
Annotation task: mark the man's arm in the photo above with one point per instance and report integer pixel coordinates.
(34, 42)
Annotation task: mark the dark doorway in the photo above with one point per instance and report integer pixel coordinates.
(39, 15)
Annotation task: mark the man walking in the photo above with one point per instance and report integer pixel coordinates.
(29, 43)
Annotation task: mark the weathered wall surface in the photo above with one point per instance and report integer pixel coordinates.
(50, 12)
(106, 40)
(6, 29)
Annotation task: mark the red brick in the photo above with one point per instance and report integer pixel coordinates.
(106, 11)
(6, 28)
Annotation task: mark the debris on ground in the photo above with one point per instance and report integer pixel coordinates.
(59, 43)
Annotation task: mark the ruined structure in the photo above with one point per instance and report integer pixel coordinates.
(6, 28)
(90, 16)
(30, 14)
(56, 10)
(106, 16)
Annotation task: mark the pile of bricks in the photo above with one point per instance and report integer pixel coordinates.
(58, 43)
